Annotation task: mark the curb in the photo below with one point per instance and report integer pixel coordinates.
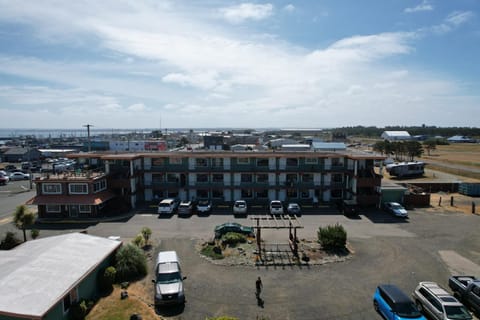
(83, 220)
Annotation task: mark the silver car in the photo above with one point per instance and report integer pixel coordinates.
(437, 303)
(169, 280)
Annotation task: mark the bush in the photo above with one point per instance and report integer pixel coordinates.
(10, 241)
(233, 238)
(139, 240)
(80, 309)
(107, 279)
(131, 263)
(34, 233)
(146, 232)
(332, 237)
(212, 251)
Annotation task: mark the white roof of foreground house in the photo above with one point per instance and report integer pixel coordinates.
(37, 274)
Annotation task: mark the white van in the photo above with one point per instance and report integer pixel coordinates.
(168, 279)
(167, 206)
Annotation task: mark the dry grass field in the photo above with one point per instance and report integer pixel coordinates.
(465, 154)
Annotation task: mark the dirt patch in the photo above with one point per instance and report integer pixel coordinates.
(247, 254)
(441, 202)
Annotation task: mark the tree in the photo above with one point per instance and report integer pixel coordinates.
(379, 146)
(414, 149)
(22, 219)
(10, 241)
(131, 263)
(139, 240)
(146, 232)
(430, 144)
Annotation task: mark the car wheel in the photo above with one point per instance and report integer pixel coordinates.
(419, 306)
(375, 305)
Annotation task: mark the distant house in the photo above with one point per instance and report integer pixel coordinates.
(21, 154)
(461, 139)
(41, 279)
(396, 136)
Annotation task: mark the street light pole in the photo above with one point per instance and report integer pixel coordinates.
(88, 136)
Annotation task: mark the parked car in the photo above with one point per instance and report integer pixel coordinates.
(204, 206)
(168, 279)
(19, 176)
(276, 207)
(393, 304)
(168, 206)
(4, 179)
(437, 303)
(396, 209)
(240, 207)
(224, 228)
(185, 208)
(467, 289)
(294, 209)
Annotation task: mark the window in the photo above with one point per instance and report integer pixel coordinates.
(311, 160)
(52, 188)
(337, 178)
(84, 208)
(202, 193)
(202, 177)
(100, 185)
(305, 194)
(78, 188)
(337, 162)
(292, 162)
(291, 178)
(247, 193)
(217, 178)
(217, 193)
(246, 177)
(201, 162)
(175, 161)
(262, 178)
(262, 194)
(171, 177)
(292, 193)
(69, 299)
(243, 160)
(52, 208)
(336, 194)
(307, 177)
(262, 162)
(217, 162)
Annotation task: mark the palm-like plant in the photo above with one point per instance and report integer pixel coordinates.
(22, 219)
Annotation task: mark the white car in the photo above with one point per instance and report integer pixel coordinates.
(185, 208)
(276, 207)
(19, 176)
(204, 206)
(240, 207)
(396, 209)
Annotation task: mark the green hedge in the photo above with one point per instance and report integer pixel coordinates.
(332, 237)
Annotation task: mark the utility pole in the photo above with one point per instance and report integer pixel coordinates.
(88, 136)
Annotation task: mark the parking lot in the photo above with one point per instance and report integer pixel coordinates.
(429, 246)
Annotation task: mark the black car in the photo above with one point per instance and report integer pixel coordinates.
(227, 227)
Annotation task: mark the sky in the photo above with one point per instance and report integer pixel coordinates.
(232, 64)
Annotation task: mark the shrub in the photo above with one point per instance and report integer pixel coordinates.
(80, 309)
(146, 232)
(233, 238)
(139, 240)
(212, 251)
(34, 233)
(131, 263)
(332, 237)
(10, 241)
(107, 279)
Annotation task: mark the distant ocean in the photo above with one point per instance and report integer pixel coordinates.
(8, 133)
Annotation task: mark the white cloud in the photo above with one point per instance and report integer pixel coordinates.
(459, 17)
(424, 6)
(245, 11)
(137, 107)
(289, 7)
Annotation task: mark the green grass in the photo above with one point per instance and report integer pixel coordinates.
(208, 252)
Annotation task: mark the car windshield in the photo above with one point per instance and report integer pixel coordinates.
(240, 204)
(203, 203)
(164, 205)
(276, 205)
(164, 278)
(407, 310)
(457, 312)
(396, 206)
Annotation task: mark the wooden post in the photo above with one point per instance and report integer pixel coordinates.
(473, 207)
(451, 201)
(440, 202)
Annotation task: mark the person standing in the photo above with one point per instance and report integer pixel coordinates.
(258, 286)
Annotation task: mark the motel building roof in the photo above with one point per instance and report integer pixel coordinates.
(36, 275)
